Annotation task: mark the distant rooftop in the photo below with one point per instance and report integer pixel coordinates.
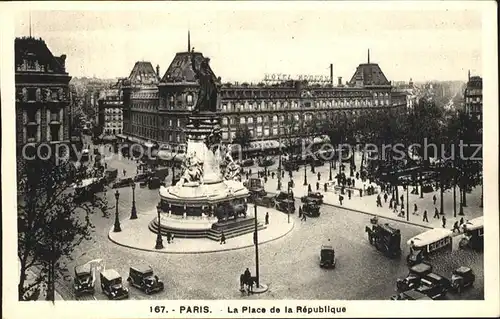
(33, 55)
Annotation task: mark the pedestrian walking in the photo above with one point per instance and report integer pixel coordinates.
(222, 238)
(385, 198)
(357, 175)
(272, 175)
(456, 227)
(461, 221)
(353, 182)
(402, 211)
(300, 211)
(319, 176)
(436, 213)
(317, 186)
(124, 172)
(265, 179)
(349, 193)
(379, 201)
(325, 187)
(360, 192)
(169, 237)
(390, 204)
(444, 221)
(267, 218)
(415, 209)
(341, 198)
(283, 174)
(434, 198)
(304, 217)
(424, 219)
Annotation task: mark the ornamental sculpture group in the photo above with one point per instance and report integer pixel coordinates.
(209, 86)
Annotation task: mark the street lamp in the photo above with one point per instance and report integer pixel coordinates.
(133, 213)
(173, 172)
(256, 243)
(159, 240)
(407, 202)
(117, 227)
(289, 204)
(279, 170)
(330, 178)
(305, 174)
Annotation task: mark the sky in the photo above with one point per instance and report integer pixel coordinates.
(246, 44)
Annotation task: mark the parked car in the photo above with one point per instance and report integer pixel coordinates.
(141, 177)
(327, 256)
(434, 286)
(266, 201)
(111, 285)
(110, 174)
(411, 295)
(462, 277)
(84, 280)
(154, 183)
(124, 182)
(265, 162)
(286, 206)
(412, 280)
(312, 197)
(247, 162)
(142, 277)
(311, 209)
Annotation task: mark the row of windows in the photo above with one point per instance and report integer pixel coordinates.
(171, 136)
(277, 105)
(145, 105)
(275, 118)
(113, 131)
(144, 119)
(113, 124)
(113, 110)
(472, 99)
(113, 118)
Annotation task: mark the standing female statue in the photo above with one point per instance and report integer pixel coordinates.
(207, 95)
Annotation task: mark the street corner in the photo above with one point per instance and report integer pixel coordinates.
(135, 234)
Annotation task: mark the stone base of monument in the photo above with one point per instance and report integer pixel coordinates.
(204, 227)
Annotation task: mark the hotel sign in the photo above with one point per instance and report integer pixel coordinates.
(278, 77)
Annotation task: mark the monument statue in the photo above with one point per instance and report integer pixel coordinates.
(209, 87)
(193, 171)
(233, 170)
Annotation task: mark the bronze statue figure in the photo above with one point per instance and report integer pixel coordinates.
(207, 94)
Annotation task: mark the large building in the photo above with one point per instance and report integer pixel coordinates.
(473, 96)
(42, 94)
(156, 110)
(110, 116)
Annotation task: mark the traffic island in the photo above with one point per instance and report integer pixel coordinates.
(136, 234)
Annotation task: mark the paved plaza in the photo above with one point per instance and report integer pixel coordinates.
(288, 265)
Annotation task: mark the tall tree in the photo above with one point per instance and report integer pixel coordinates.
(242, 137)
(51, 223)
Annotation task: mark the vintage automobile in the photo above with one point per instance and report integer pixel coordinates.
(255, 187)
(286, 206)
(281, 196)
(85, 189)
(111, 285)
(84, 280)
(311, 209)
(141, 177)
(428, 243)
(266, 201)
(473, 238)
(385, 238)
(247, 162)
(110, 174)
(264, 162)
(154, 183)
(142, 277)
(462, 277)
(434, 286)
(124, 182)
(312, 197)
(411, 295)
(327, 256)
(412, 280)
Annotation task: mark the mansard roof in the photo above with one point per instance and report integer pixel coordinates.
(181, 70)
(143, 73)
(33, 55)
(369, 74)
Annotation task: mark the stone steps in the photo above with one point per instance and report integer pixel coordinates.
(231, 230)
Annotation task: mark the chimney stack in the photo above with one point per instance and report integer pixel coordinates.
(158, 70)
(368, 56)
(331, 73)
(340, 81)
(469, 75)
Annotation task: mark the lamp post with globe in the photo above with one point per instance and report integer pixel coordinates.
(117, 227)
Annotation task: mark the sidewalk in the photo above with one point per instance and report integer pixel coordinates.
(367, 204)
